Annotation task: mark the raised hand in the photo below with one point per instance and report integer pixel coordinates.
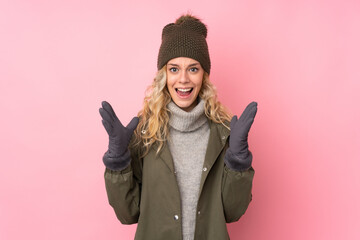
(238, 155)
(119, 137)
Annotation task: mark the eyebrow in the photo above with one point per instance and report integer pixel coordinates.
(176, 65)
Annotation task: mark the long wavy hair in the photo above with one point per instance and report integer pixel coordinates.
(154, 116)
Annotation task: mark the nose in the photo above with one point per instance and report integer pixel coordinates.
(184, 78)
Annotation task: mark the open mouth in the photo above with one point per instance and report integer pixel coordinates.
(184, 91)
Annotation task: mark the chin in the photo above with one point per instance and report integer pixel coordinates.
(186, 105)
(181, 104)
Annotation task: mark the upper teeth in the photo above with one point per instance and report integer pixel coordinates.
(184, 90)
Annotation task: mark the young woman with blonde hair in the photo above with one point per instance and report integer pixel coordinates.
(176, 169)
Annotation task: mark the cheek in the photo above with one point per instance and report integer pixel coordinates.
(169, 85)
(199, 82)
(169, 81)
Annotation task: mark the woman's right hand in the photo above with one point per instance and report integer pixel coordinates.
(119, 136)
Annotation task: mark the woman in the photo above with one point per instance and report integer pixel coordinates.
(176, 169)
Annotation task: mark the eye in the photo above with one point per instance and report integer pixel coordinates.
(194, 69)
(173, 69)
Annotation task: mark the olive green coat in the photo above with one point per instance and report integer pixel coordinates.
(147, 193)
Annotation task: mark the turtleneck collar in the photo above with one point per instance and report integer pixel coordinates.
(187, 121)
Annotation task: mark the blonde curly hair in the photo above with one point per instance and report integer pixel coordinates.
(154, 116)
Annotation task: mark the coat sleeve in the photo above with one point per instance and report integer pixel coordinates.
(236, 192)
(123, 190)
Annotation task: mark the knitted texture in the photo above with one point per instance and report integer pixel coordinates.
(185, 38)
(188, 139)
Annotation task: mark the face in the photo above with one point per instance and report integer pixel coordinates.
(184, 81)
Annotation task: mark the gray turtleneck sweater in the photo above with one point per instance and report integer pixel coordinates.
(188, 140)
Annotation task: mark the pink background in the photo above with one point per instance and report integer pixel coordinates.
(298, 59)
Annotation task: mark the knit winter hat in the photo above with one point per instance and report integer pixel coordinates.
(184, 38)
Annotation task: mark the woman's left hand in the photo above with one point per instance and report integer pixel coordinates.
(240, 128)
(238, 156)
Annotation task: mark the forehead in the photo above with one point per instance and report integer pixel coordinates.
(182, 61)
